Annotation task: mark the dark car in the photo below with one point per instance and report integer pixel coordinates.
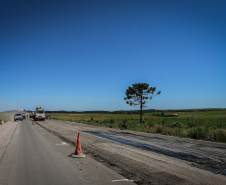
(48, 117)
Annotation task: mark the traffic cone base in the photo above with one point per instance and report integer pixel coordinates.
(78, 151)
(77, 156)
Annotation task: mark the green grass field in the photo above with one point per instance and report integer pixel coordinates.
(206, 125)
(5, 116)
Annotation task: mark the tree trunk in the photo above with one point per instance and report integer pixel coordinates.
(141, 106)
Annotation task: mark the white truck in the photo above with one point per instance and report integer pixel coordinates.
(39, 114)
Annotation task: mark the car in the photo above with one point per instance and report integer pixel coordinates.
(18, 117)
(48, 117)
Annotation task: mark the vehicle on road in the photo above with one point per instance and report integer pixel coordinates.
(39, 114)
(48, 117)
(18, 117)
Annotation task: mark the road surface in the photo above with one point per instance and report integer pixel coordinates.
(35, 156)
(148, 158)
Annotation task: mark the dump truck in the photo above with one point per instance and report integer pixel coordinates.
(39, 114)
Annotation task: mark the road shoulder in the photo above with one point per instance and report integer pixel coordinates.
(6, 133)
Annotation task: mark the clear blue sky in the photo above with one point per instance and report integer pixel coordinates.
(83, 54)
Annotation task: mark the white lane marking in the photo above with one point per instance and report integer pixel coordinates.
(122, 180)
(63, 143)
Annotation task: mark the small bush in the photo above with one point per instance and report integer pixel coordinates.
(124, 121)
(159, 128)
(176, 125)
(150, 124)
(112, 121)
(197, 133)
(220, 135)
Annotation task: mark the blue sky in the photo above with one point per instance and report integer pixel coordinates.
(83, 55)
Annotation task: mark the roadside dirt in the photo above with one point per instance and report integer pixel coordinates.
(6, 132)
(147, 158)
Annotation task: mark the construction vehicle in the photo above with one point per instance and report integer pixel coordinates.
(39, 114)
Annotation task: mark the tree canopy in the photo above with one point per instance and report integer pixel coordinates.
(138, 94)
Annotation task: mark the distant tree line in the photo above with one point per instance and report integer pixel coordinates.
(136, 111)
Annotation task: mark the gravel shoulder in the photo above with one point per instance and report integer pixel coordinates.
(158, 165)
(6, 132)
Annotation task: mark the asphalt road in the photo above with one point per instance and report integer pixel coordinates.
(148, 158)
(35, 156)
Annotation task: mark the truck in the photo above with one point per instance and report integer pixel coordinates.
(39, 114)
(18, 116)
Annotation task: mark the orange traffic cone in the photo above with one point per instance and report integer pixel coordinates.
(33, 122)
(2, 122)
(78, 151)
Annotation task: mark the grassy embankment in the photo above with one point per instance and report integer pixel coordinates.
(197, 124)
(5, 116)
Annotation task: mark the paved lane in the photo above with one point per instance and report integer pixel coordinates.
(30, 159)
(148, 158)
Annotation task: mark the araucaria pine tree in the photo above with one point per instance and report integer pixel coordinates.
(138, 94)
